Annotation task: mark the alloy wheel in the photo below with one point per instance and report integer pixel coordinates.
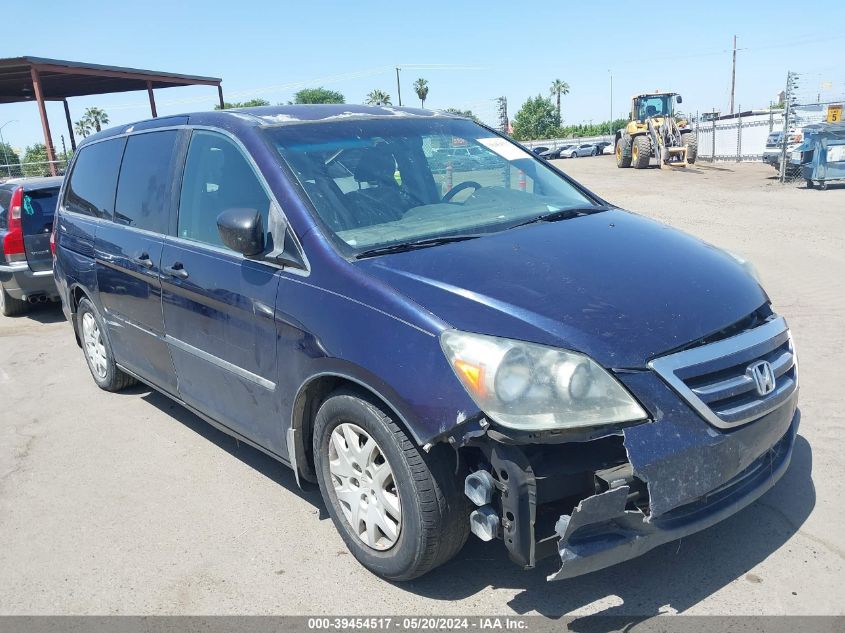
(364, 485)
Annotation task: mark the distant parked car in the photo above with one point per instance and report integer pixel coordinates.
(27, 206)
(774, 148)
(585, 149)
(539, 150)
(603, 146)
(556, 152)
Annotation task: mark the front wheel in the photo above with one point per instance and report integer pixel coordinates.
(400, 511)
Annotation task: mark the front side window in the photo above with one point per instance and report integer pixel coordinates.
(91, 188)
(217, 177)
(379, 182)
(143, 191)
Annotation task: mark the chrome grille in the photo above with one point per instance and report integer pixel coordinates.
(718, 381)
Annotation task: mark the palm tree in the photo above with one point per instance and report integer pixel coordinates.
(96, 118)
(378, 97)
(421, 88)
(559, 88)
(82, 127)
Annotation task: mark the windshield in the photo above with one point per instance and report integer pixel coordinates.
(653, 106)
(380, 182)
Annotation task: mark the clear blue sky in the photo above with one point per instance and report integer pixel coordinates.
(264, 49)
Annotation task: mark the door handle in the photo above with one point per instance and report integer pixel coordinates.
(177, 270)
(143, 260)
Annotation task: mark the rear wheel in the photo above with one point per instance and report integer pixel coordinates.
(97, 349)
(691, 144)
(623, 152)
(10, 306)
(400, 511)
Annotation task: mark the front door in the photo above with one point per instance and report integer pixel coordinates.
(218, 305)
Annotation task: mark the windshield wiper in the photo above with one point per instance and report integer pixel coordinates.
(564, 214)
(410, 246)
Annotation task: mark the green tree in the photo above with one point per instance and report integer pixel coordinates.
(96, 118)
(35, 154)
(252, 103)
(82, 127)
(559, 88)
(318, 95)
(10, 160)
(378, 97)
(464, 113)
(421, 88)
(536, 119)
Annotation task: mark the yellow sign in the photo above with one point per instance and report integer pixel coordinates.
(834, 113)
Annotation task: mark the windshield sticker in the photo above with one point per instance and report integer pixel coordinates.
(27, 206)
(503, 148)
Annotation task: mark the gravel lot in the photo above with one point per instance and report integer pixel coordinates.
(126, 503)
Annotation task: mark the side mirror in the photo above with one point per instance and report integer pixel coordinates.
(242, 230)
(679, 99)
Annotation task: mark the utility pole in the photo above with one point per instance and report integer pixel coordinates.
(791, 84)
(733, 78)
(502, 109)
(611, 102)
(398, 87)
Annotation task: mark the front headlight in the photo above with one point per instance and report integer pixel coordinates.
(533, 387)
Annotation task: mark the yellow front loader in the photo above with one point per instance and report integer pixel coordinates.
(653, 131)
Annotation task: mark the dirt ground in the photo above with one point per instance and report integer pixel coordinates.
(126, 503)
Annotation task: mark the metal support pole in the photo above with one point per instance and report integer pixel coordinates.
(398, 86)
(152, 99)
(45, 124)
(220, 96)
(69, 125)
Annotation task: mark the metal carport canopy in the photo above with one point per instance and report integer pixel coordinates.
(40, 79)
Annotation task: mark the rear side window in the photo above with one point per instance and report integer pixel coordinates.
(90, 190)
(217, 177)
(144, 187)
(5, 201)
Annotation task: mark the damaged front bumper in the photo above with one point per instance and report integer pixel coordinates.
(601, 532)
(599, 500)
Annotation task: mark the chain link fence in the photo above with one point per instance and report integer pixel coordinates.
(29, 170)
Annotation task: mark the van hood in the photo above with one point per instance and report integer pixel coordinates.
(614, 285)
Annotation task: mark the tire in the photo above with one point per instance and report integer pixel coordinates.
(810, 184)
(101, 363)
(623, 152)
(573, 155)
(10, 306)
(641, 152)
(434, 513)
(692, 147)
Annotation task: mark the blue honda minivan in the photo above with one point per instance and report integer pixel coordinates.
(448, 347)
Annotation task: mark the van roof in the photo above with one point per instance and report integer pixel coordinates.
(274, 115)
